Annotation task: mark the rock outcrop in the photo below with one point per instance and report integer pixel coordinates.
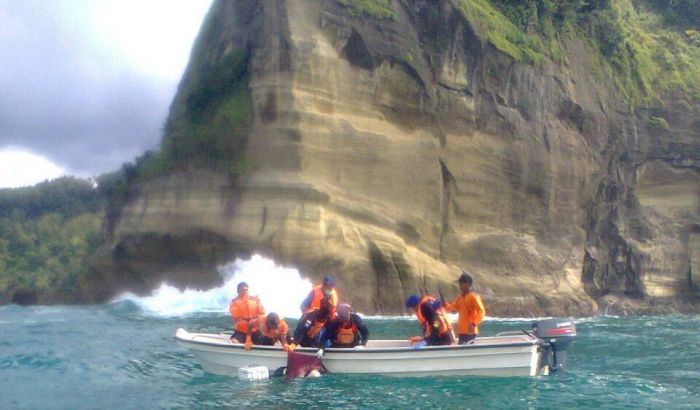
(394, 152)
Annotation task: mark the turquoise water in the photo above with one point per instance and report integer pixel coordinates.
(117, 356)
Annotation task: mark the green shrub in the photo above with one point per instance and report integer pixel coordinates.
(217, 83)
(648, 47)
(659, 123)
(66, 196)
(46, 232)
(378, 9)
(501, 32)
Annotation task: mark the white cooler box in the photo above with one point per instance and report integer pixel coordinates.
(253, 372)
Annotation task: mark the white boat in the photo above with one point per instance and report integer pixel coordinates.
(507, 354)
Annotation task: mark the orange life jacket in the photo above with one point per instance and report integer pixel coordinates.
(346, 334)
(441, 324)
(318, 296)
(244, 310)
(261, 324)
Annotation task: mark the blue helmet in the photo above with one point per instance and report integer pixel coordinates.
(412, 301)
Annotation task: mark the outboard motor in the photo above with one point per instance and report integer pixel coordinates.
(556, 335)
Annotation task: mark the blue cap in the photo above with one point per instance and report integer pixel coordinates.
(412, 301)
(329, 280)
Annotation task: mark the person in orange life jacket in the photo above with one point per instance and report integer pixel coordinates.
(266, 331)
(471, 310)
(243, 309)
(346, 330)
(437, 329)
(325, 291)
(310, 326)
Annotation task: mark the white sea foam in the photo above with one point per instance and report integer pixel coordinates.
(280, 289)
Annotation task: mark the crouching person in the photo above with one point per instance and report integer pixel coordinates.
(266, 331)
(437, 329)
(346, 330)
(311, 326)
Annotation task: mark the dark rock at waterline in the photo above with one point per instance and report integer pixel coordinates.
(24, 297)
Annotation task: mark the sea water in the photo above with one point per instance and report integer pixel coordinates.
(123, 355)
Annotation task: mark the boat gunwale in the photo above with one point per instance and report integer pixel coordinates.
(529, 342)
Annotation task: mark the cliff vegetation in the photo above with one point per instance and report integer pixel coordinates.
(211, 134)
(46, 234)
(650, 47)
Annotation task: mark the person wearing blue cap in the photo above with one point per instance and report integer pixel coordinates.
(325, 291)
(437, 329)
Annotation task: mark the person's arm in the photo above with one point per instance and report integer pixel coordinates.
(284, 331)
(250, 325)
(249, 334)
(362, 328)
(477, 311)
(333, 303)
(452, 306)
(430, 316)
(260, 308)
(326, 336)
(452, 337)
(307, 302)
(300, 330)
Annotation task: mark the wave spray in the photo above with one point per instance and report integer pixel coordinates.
(280, 290)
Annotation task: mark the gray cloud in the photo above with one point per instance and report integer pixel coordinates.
(64, 97)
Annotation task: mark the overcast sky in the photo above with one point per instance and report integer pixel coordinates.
(85, 85)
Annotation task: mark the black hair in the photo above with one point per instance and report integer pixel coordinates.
(465, 278)
(238, 288)
(272, 318)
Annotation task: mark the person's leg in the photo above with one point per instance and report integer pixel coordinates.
(446, 339)
(260, 339)
(238, 337)
(306, 342)
(437, 340)
(319, 336)
(464, 339)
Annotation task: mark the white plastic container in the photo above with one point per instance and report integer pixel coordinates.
(253, 372)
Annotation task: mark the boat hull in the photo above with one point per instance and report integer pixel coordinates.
(494, 356)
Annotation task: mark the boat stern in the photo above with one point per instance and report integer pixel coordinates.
(556, 335)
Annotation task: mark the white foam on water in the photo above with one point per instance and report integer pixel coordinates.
(280, 290)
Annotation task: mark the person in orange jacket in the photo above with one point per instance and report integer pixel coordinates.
(311, 326)
(471, 310)
(326, 291)
(266, 331)
(437, 329)
(243, 309)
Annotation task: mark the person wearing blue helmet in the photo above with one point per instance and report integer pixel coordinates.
(437, 329)
(325, 291)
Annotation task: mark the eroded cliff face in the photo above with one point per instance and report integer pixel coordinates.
(394, 152)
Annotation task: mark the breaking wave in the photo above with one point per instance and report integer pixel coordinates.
(280, 289)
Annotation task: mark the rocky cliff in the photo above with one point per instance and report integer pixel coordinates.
(394, 147)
